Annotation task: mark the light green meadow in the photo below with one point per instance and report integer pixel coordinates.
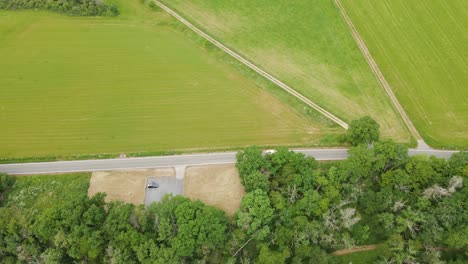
(134, 83)
(307, 45)
(422, 49)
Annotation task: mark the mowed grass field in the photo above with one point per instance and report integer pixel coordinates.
(422, 49)
(135, 83)
(307, 45)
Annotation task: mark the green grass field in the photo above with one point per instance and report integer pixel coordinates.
(307, 45)
(135, 83)
(422, 49)
(42, 191)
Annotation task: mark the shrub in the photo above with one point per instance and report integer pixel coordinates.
(363, 131)
(69, 7)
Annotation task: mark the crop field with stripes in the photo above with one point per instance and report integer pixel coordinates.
(422, 49)
(134, 83)
(307, 45)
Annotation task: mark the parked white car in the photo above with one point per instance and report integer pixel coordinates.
(270, 151)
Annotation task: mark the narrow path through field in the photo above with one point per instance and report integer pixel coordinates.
(254, 67)
(378, 73)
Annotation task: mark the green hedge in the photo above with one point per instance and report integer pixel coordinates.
(69, 7)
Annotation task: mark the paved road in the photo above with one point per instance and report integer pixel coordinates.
(254, 67)
(171, 161)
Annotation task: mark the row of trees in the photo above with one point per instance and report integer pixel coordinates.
(69, 7)
(295, 210)
(89, 230)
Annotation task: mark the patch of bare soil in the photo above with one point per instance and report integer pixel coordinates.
(354, 250)
(125, 185)
(215, 185)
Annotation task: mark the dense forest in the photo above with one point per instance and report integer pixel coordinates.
(296, 210)
(69, 7)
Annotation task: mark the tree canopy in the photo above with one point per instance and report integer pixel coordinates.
(69, 7)
(295, 210)
(414, 206)
(90, 230)
(363, 131)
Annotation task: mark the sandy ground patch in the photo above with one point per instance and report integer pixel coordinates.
(216, 185)
(354, 250)
(125, 185)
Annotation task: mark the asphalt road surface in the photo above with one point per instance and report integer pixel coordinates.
(171, 161)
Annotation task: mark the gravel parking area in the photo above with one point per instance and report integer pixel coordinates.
(166, 185)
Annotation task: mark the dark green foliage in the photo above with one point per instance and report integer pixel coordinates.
(295, 211)
(74, 228)
(151, 4)
(6, 182)
(363, 131)
(189, 230)
(268, 256)
(256, 180)
(255, 214)
(290, 169)
(69, 7)
(309, 209)
(366, 163)
(417, 205)
(250, 160)
(459, 164)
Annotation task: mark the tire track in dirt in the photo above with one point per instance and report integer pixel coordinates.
(377, 72)
(254, 67)
(347, 251)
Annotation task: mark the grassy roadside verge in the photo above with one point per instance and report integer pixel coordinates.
(329, 141)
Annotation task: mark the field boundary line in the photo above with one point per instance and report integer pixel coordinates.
(254, 67)
(377, 72)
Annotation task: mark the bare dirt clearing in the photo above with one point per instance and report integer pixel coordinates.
(347, 251)
(125, 185)
(216, 185)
